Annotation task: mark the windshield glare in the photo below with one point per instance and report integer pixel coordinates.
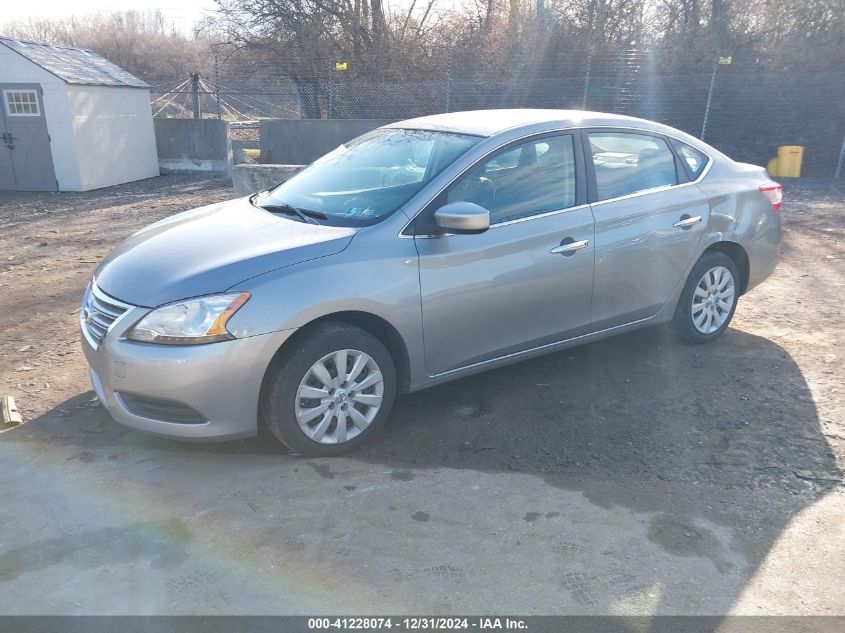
(372, 175)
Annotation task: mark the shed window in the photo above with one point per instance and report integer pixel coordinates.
(21, 103)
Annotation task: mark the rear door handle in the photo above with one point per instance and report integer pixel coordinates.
(686, 221)
(569, 248)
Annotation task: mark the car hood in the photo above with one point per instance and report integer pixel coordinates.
(209, 250)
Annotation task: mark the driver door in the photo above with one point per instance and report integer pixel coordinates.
(527, 281)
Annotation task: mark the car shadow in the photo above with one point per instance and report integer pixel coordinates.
(725, 434)
(637, 406)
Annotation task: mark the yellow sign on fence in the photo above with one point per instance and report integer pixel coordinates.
(341, 65)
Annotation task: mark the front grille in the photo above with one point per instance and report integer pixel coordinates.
(98, 314)
(160, 409)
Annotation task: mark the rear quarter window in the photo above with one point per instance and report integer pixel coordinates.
(693, 160)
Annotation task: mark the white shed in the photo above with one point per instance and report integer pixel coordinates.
(71, 120)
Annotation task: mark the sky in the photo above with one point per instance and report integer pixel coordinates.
(183, 13)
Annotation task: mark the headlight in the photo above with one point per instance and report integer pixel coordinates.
(189, 322)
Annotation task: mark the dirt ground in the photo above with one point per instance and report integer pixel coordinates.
(50, 245)
(632, 476)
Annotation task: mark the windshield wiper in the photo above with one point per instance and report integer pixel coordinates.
(306, 215)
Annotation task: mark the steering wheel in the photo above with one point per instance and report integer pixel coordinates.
(487, 191)
(480, 190)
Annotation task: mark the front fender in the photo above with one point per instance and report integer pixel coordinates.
(370, 276)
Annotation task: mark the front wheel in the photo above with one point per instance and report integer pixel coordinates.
(708, 301)
(330, 392)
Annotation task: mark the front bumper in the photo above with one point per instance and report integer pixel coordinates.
(220, 381)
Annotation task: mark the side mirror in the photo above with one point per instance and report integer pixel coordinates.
(462, 217)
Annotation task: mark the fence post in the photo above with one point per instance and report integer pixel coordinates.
(330, 92)
(709, 100)
(841, 160)
(449, 82)
(587, 78)
(217, 81)
(195, 94)
(619, 76)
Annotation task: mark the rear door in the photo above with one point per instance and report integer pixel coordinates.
(27, 160)
(513, 287)
(650, 221)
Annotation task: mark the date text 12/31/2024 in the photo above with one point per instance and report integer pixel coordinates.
(416, 624)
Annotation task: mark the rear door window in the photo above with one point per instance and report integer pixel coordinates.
(627, 162)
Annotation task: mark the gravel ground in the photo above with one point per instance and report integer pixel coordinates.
(635, 475)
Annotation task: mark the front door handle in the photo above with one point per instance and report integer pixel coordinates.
(569, 248)
(686, 221)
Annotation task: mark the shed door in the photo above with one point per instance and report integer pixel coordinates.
(26, 162)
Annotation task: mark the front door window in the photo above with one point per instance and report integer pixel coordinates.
(530, 179)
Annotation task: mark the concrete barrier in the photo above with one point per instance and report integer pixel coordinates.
(302, 141)
(193, 145)
(239, 148)
(249, 179)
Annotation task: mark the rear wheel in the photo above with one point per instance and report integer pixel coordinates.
(708, 301)
(331, 391)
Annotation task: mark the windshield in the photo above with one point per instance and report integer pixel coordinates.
(370, 176)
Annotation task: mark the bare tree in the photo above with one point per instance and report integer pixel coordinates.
(400, 40)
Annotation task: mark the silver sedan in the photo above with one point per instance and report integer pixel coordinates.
(421, 252)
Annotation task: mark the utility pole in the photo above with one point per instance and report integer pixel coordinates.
(330, 91)
(448, 103)
(709, 100)
(587, 78)
(217, 80)
(195, 93)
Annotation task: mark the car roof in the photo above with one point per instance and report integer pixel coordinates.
(490, 122)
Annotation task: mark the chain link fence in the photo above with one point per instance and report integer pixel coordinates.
(744, 112)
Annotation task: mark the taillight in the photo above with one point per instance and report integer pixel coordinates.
(773, 192)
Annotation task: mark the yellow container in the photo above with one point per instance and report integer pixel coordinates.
(789, 160)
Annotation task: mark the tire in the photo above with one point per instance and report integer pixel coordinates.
(700, 330)
(295, 377)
